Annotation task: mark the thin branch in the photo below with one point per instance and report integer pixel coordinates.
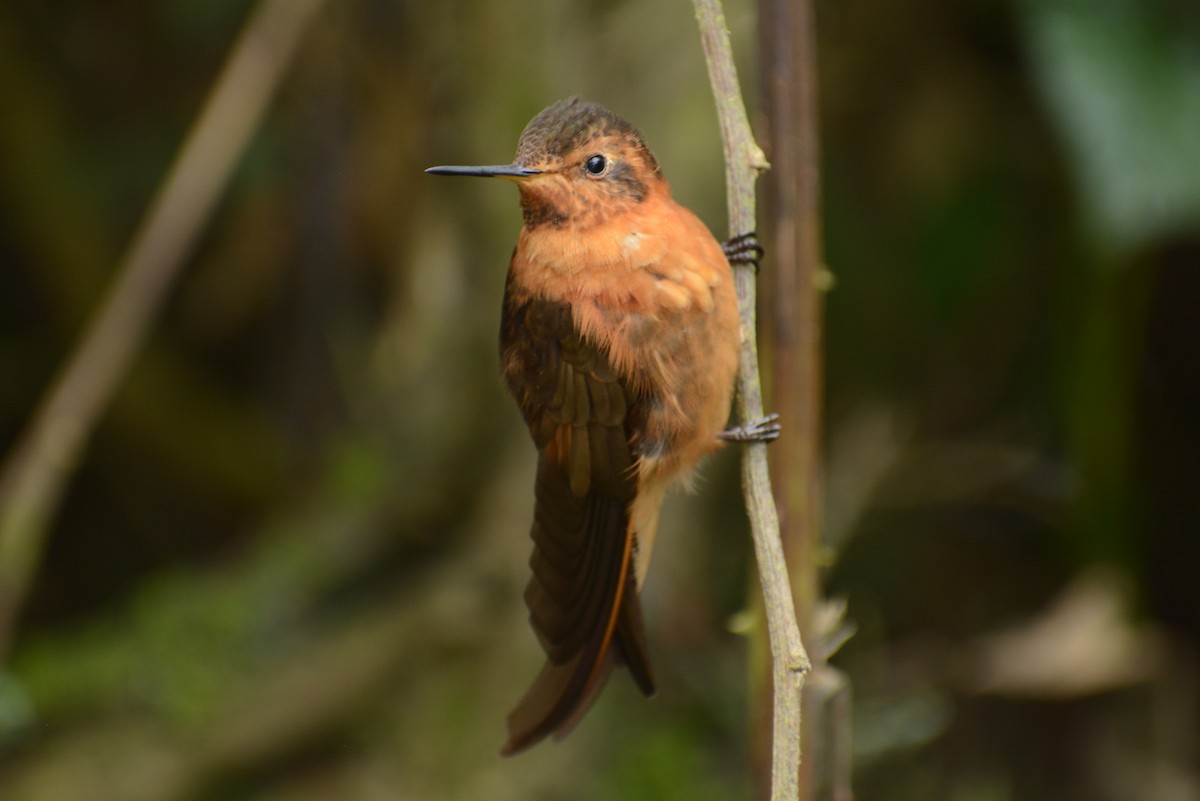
(793, 316)
(44, 458)
(743, 162)
(792, 325)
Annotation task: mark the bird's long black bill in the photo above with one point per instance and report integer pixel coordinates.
(495, 171)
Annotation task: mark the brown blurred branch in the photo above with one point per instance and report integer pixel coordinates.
(743, 161)
(795, 280)
(43, 459)
(796, 274)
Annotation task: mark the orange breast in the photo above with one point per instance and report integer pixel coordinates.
(653, 287)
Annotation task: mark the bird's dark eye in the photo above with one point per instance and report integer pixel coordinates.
(596, 165)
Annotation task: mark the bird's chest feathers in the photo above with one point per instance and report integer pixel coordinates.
(618, 266)
(626, 287)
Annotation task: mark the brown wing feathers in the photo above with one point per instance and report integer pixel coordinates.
(582, 597)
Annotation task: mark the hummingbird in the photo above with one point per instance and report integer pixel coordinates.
(619, 341)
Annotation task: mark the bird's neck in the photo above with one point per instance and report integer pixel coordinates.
(570, 262)
(554, 203)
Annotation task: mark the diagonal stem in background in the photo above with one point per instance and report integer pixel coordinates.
(42, 461)
(743, 161)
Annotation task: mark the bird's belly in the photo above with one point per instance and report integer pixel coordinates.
(691, 367)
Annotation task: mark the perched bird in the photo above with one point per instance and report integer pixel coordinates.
(619, 341)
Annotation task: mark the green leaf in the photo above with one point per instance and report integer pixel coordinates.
(1121, 79)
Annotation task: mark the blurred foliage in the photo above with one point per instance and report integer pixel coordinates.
(290, 565)
(1122, 84)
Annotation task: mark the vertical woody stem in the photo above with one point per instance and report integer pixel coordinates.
(743, 162)
(792, 327)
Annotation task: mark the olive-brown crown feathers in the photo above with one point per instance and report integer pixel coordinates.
(571, 123)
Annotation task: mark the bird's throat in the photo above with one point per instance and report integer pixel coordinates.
(538, 211)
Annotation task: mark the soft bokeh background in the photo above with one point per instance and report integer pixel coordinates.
(290, 565)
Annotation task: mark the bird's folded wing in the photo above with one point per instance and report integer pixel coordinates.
(582, 597)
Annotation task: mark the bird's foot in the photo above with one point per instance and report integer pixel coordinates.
(765, 429)
(743, 249)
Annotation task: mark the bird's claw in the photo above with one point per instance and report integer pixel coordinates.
(743, 249)
(765, 429)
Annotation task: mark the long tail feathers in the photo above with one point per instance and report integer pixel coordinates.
(583, 604)
(561, 695)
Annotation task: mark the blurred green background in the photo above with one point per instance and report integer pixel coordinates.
(290, 564)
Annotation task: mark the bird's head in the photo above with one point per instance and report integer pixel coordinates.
(577, 163)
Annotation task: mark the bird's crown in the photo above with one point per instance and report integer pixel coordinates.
(570, 124)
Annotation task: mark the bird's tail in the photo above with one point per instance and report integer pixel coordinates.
(561, 695)
(583, 604)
